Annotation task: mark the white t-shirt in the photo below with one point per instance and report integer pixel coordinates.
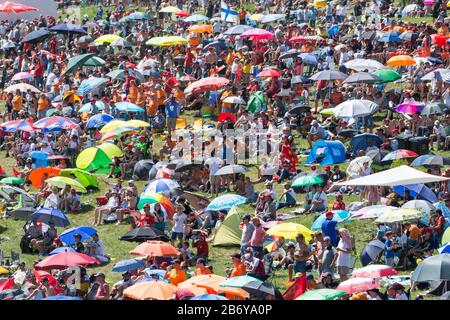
(178, 222)
(214, 164)
(343, 259)
(321, 196)
(52, 201)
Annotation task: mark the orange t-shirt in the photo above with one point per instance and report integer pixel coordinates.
(161, 96)
(414, 232)
(176, 276)
(238, 271)
(17, 103)
(132, 95)
(152, 106)
(200, 271)
(42, 104)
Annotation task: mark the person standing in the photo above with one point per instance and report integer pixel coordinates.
(389, 249)
(179, 219)
(172, 113)
(344, 249)
(257, 239)
(247, 232)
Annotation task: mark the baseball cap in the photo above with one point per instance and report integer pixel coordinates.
(246, 217)
(329, 213)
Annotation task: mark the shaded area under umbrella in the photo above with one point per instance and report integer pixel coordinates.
(144, 234)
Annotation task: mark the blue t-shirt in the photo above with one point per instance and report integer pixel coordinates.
(388, 253)
(329, 230)
(172, 109)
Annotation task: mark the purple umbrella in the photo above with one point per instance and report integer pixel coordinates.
(410, 107)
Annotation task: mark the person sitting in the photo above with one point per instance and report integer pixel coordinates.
(44, 245)
(110, 206)
(316, 132)
(254, 266)
(201, 268)
(319, 201)
(120, 286)
(94, 248)
(147, 218)
(78, 245)
(128, 204)
(339, 203)
(287, 198)
(73, 202)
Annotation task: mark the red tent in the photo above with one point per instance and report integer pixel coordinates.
(11, 7)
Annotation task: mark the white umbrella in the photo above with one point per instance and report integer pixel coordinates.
(23, 87)
(231, 169)
(234, 100)
(356, 165)
(355, 108)
(421, 205)
(364, 64)
(372, 212)
(409, 8)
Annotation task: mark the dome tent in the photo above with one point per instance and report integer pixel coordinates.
(229, 233)
(326, 152)
(98, 158)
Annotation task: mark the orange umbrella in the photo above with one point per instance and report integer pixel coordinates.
(234, 293)
(198, 279)
(211, 284)
(201, 28)
(151, 290)
(195, 290)
(36, 175)
(401, 61)
(155, 249)
(396, 28)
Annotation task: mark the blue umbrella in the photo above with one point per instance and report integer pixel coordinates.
(36, 36)
(444, 249)
(445, 210)
(309, 58)
(90, 84)
(209, 297)
(98, 120)
(338, 215)
(47, 215)
(225, 202)
(417, 191)
(62, 249)
(156, 272)
(88, 107)
(333, 30)
(429, 159)
(127, 265)
(117, 74)
(40, 157)
(137, 16)
(390, 36)
(196, 18)
(218, 45)
(61, 298)
(128, 107)
(84, 231)
(68, 27)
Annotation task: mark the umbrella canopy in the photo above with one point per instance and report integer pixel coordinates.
(69, 28)
(66, 259)
(98, 120)
(269, 73)
(157, 198)
(411, 107)
(22, 76)
(446, 236)
(434, 268)
(362, 77)
(112, 124)
(237, 30)
(117, 133)
(231, 169)
(21, 125)
(150, 290)
(170, 9)
(390, 36)
(155, 249)
(225, 202)
(68, 236)
(289, 230)
(22, 87)
(201, 28)
(86, 179)
(374, 271)
(61, 297)
(48, 215)
(258, 34)
(372, 212)
(238, 282)
(409, 36)
(328, 75)
(108, 38)
(421, 205)
(399, 154)
(355, 108)
(11, 7)
(430, 160)
(144, 234)
(36, 175)
(364, 64)
(121, 43)
(259, 288)
(304, 181)
(272, 17)
(12, 180)
(338, 215)
(399, 215)
(434, 108)
(166, 41)
(209, 297)
(205, 84)
(161, 185)
(387, 75)
(128, 265)
(445, 248)
(234, 100)
(36, 36)
(94, 62)
(401, 61)
(128, 107)
(355, 285)
(418, 190)
(62, 249)
(76, 62)
(61, 183)
(321, 294)
(54, 123)
(90, 84)
(439, 74)
(196, 18)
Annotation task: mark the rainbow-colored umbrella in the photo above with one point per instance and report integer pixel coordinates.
(117, 133)
(399, 154)
(157, 198)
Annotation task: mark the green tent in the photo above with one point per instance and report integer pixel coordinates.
(256, 102)
(229, 233)
(85, 178)
(98, 158)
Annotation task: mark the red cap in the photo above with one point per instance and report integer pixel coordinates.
(329, 213)
(327, 167)
(389, 233)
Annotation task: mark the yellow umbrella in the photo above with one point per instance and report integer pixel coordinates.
(166, 41)
(137, 124)
(108, 38)
(399, 215)
(3, 270)
(289, 230)
(201, 28)
(112, 124)
(61, 183)
(320, 3)
(327, 111)
(170, 9)
(256, 16)
(401, 61)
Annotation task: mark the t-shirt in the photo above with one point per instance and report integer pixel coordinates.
(321, 196)
(247, 233)
(17, 103)
(238, 271)
(176, 276)
(343, 259)
(329, 230)
(178, 222)
(414, 232)
(172, 109)
(388, 253)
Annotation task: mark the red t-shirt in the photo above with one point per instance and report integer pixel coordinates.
(202, 248)
(338, 206)
(147, 220)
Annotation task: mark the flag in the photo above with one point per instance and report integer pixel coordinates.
(16, 173)
(227, 14)
(2, 171)
(298, 288)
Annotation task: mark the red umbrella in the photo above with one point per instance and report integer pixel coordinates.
(439, 39)
(209, 83)
(66, 259)
(40, 274)
(183, 14)
(187, 78)
(226, 115)
(257, 34)
(11, 7)
(7, 284)
(374, 271)
(269, 73)
(355, 285)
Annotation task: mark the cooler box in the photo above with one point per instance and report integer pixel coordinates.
(419, 145)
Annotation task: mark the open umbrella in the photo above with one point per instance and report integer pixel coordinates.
(68, 236)
(304, 181)
(108, 38)
(157, 198)
(411, 107)
(372, 212)
(272, 17)
(98, 120)
(355, 108)
(37, 174)
(11, 7)
(21, 125)
(237, 30)
(321, 294)
(76, 62)
(61, 183)
(117, 133)
(85, 178)
(434, 108)
(61, 297)
(128, 265)
(167, 41)
(54, 123)
(225, 202)
(12, 180)
(289, 230)
(434, 268)
(22, 76)
(387, 75)
(421, 205)
(94, 62)
(430, 160)
(22, 87)
(362, 77)
(374, 271)
(47, 215)
(409, 36)
(439, 74)
(418, 190)
(205, 84)
(170, 9)
(399, 154)
(355, 285)
(68, 28)
(128, 107)
(338, 215)
(400, 61)
(258, 34)
(155, 249)
(231, 169)
(144, 234)
(400, 215)
(234, 100)
(238, 282)
(161, 186)
(36, 36)
(390, 36)
(258, 288)
(150, 290)
(364, 64)
(61, 250)
(90, 84)
(196, 18)
(209, 297)
(328, 75)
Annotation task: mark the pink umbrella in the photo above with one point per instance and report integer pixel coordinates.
(374, 271)
(258, 34)
(410, 107)
(22, 76)
(355, 285)
(66, 259)
(428, 2)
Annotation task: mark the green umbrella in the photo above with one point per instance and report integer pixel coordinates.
(305, 181)
(434, 108)
(321, 294)
(256, 102)
(76, 62)
(94, 62)
(387, 75)
(85, 178)
(50, 112)
(12, 180)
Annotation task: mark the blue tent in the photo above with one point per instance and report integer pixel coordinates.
(326, 152)
(417, 191)
(361, 142)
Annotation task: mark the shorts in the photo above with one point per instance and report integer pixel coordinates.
(343, 270)
(300, 266)
(321, 94)
(171, 123)
(176, 235)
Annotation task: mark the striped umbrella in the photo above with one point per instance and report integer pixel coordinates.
(22, 76)
(55, 123)
(225, 202)
(161, 185)
(21, 125)
(157, 198)
(399, 154)
(117, 133)
(411, 107)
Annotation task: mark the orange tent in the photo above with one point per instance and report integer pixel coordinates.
(401, 61)
(155, 249)
(36, 175)
(201, 28)
(151, 290)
